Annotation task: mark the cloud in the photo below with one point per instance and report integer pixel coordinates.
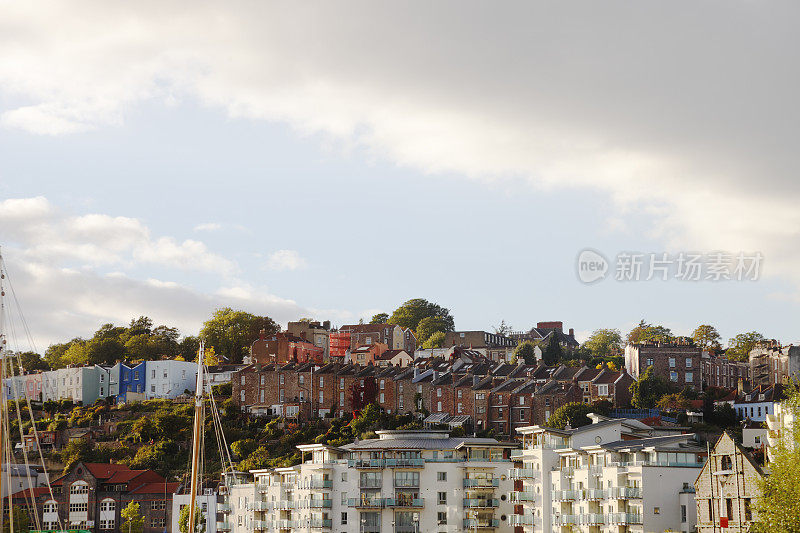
(208, 226)
(286, 260)
(634, 102)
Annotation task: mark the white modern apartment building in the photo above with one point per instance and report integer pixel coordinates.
(169, 378)
(610, 476)
(780, 425)
(207, 502)
(401, 482)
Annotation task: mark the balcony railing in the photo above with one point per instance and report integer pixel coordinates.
(288, 524)
(594, 494)
(406, 463)
(565, 495)
(261, 525)
(481, 483)
(566, 520)
(517, 496)
(224, 508)
(369, 503)
(317, 484)
(473, 503)
(593, 519)
(624, 493)
(319, 503)
(262, 487)
(223, 526)
(371, 483)
(472, 523)
(365, 463)
(523, 473)
(285, 505)
(406, 483)
(321, 523)
(405, 502)
(517, 454)
(259, 506)
(624, 518)
(521, 520)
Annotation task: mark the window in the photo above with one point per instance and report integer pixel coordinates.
(241, 396)
(748, 512)
(78, 507)
(341, 383)
(672, 362)
(649, 361)
(441, 518)
(683, 513)
(242, 379)
(382, 384)
(281, 395)
(522, 400)
(344, 476)
(689, 365)
(522, 416)
(50, 507)
(281, 379)
(344, 518)
(400, 403)
(673, 376)
(344, 498)
(135, 376)
(602, 390)
(262, 399)
(656, 510)
(439, 406)
(158, 522)
(689, 377)
(107, 524)
(382, 398)
(302, 379)
(460, 408)
(79, 487)
(158, 505)
(441, 476)
(107, 505)
(341, 399)
(442, 499)
(154, 374)
(321, 396)
(263, 379)
(322, 381)
(459, 393)
(152, 388)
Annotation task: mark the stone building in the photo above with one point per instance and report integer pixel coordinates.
(678, 363)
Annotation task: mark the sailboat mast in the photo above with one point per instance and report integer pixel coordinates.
(198, 432)
(3, 404)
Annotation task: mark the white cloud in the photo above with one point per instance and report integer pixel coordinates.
(635, 102)
(286, 260)
(208, 226)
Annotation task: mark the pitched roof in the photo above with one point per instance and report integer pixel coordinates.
(30, 493)
(104, 471)
(156, 488)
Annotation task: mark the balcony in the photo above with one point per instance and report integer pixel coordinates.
(523, 473)
(481, 483)
(515, 520)
(593, 519)
(321, 523)
(259, 506)
(522, 496)
(405, 502)
(517, 454)
(594, 494)
(625, 493)
(261, 525)
(261, 487)
(365, 463)
(317, 484)
(223, 526)
(480, 523)
(565, 495)
(566, 520)
(565, 470)
(406, 484)
(624, 518)
(287, 524)
(406, 463)
(285, 505)
(223, 508)
(366, 503)
(319, 503)
(480, 503)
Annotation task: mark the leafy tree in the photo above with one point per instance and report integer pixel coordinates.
(158, 456)
(780, 490)
(674, 402)
(104, 350)
(573, 413)
(648, 390)
(552, 353)
(232, 332)
(132, 519)
(76, 354)
(380, 318)
(76, 451)
(741, 345)
(183, 520)
(21, 520)
(526, 351)
(243, 448)
(363, 395)
(430, 325)
(413, 311)
(724, 416)
(647, 332)
(503, 329)
(604, 342)
(188, 348)
(436, 340)
(210, 358)
(54, 355)
(140, 326)
(706, 336)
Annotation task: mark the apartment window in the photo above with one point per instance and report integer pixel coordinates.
(321, 396)
(79, 487)
(748, 512)
(672, 362)
(400, 403)
(344, 498)
(321, 381)
(282, 379)
(441, 476)
(441, 518)
(382, 384)
(158, 505)
(341, 399)
(649, 361)
(382, 398)
(344, 476)
(602, 390)
(344, 518)
(673, 376)
(400, 388)
(78, 507)
(158, 522)
(547, 402)
(522, 400)
(242, 380)
(262, 398)
(302, 379)
(152, 388)
(419, 389)
(656, 510)
(459, 393)
(688, 363)
(50, 507)
(439, 393)
(263, 379)
(341, 383)
(689, 377)
(439, 406)
(281, 395)
(154, 374)
(522, 416)
(683, 513)
(442, 499)
(460, 408)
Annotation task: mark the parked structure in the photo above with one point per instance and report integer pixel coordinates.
(679, 363)
(727, 489)
(611, 473)
(401, 482)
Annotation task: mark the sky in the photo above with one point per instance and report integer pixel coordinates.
(334, 160)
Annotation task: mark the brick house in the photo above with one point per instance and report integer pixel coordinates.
(367, 354)
(611, 386)
(350, 337)
(719, 371)
(678, 363)
(283, 347)
(92, 495)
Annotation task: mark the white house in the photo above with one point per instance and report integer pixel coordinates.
(207, 502)
(169, 379)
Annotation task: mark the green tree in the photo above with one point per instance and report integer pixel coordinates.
(780, 490)
(434, 341)
(21, 520)
(674, 402)
(526, 351)
(132, 519)
(140, 326)
(76, 354)
(573, 413)
(706, 336)
(430, 325)
(648, 390)
(54, 355)
(604, 342)
(243, 448)
(741, 345)
(503, 329)
(183, 520)
(188, 348)
(380, 318)
(552, 352)
(644, 332)
(413, 311)
(76, 451)
(31, 362)
(105, 350)
(232, 332)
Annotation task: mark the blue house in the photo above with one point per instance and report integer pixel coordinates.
(128, 379)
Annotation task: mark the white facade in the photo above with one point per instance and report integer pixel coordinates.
(754, 437)
(207, 503)
(169, 379)
(780, 424)
(402, 482)
(603, 476)
(17, 477)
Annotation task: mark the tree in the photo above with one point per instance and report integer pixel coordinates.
(363, 395)
(526, 351)
(430, 325)
(210, 358)
(648, 390)
(76, 451)
(434, 341)
(188, 348)
(21, 521)
(232, 332)
(76, 354)
(503, 329)
(741, 345)
(140, 326)
(380, 318)
(647, 332)
(604, 342)
(674, 402)
(183, 520)
(552, 353)
(132, 519)
(104, 350)
(572, 414)
(31, 362)
(54, 355)
(413, 311)
(706, 336)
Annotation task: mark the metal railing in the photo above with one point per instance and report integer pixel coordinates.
(321, 523)
(480, 502)
(406, 463)
(624, 493)
(523, 473)
(521, 520)
(472, 523)
(565, 495)
(371, 503)
(365, 463)
(405, 502)
(517, 496)
(223, 526)
(481, 483)
(320, 503)
(260, 525)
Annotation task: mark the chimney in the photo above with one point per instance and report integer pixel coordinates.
(475, 379)
(326, 325)
(435, 375)
(416, 372)
(571, 332)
